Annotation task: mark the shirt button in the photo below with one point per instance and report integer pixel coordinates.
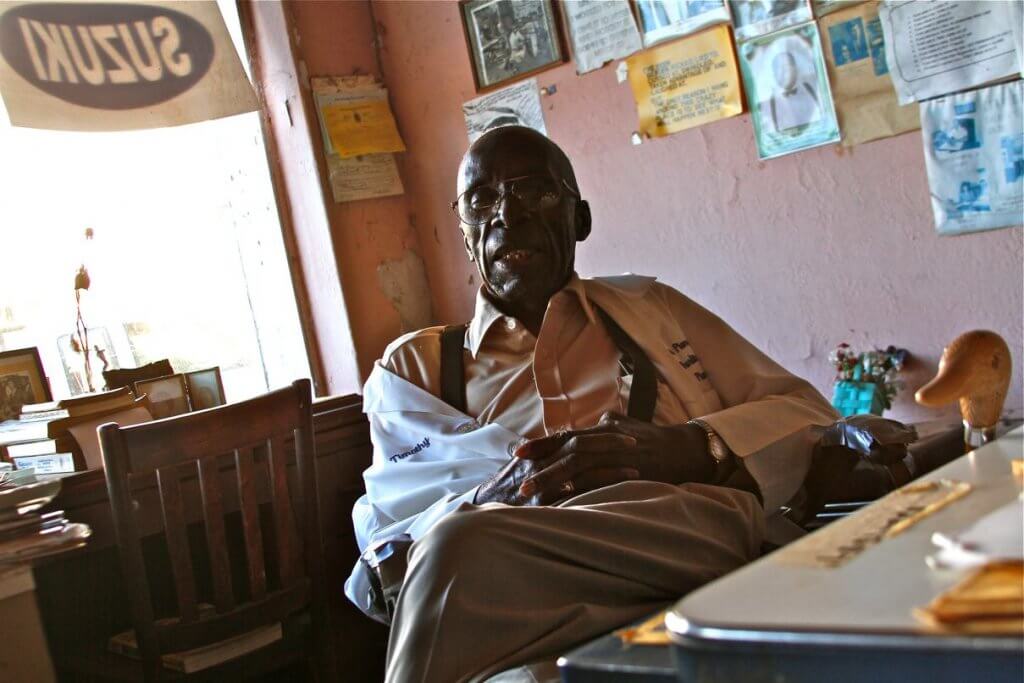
(510, 323)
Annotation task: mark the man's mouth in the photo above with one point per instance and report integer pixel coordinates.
(514, 256)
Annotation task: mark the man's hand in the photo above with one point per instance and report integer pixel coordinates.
(506, 485)
(616, 449)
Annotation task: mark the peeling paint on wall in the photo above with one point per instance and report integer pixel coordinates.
(404, 283)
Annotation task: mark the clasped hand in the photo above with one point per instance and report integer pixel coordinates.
(618, 448)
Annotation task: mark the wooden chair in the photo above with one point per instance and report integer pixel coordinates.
(127, 377)
(244, 443)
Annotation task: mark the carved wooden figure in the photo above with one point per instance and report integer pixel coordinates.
(974, 369)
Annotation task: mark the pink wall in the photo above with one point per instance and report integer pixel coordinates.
(798, 253)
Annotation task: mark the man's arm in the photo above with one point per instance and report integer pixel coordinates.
(768, 415)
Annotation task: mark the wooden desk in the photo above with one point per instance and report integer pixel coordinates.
(78, 592)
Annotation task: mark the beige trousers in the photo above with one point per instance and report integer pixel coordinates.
(492, 587)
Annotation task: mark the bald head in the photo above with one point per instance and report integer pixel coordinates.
(499, 141)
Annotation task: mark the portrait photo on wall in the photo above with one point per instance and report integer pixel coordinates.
(788, 91)
(166, 395)
(752, 18)
(510, 39)
(662, 20)
(22, 381)
(205, 389)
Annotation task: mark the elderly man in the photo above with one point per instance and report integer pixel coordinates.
(580, 455)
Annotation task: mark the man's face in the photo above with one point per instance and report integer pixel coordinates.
(785, 70)
(526, 251)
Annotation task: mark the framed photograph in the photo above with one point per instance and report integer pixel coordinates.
(167, 395)
(789, 95)
(22, 381)
(205, 389)
(511, 39)
(662, 20)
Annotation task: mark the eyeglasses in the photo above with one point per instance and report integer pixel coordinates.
(478, 205)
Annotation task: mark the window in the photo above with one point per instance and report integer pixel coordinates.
(186, 260)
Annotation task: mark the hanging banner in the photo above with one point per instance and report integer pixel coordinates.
(974, 153)
(102, 66)
(687, 83)
(936, 48)
(865, 100)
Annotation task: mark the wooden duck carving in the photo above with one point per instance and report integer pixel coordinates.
(974, 369)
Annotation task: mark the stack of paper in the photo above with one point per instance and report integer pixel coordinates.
(990, 601)
(27, 534)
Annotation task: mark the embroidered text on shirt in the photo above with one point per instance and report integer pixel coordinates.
(412, 451)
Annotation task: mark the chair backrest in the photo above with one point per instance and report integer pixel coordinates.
(245, 443)
(127, 377)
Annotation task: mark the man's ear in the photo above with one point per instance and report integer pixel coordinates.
(582, 220)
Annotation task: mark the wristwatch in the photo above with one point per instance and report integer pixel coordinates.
(716, 445)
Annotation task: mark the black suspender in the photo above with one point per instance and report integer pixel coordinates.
(453, 376)
(643, 393)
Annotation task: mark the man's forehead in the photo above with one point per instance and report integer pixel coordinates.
(506, 156)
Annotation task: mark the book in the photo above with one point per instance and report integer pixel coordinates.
(200, 658)
(56, 428)
(40, 447)
(50, 463)
(32, 408)
(89, 404)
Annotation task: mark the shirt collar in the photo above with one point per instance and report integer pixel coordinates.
(486, 313)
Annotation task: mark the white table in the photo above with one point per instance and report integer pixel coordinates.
(773, 620)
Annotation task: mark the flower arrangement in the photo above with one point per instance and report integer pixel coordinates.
(80, 337)
(879, 368)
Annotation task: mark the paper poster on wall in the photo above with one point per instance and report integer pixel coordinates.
(360, 177)
(790, 102)
(108, 66)
(600, 31)
(865, 100)
(757, 17)
(687, 83)
(662, 20)
(936, 48)
(516, 105)
(974, 153)
(358, 128)
(363, 177)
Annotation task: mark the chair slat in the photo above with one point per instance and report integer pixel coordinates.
(169, 482)
(248, 504)
(288, 546)
(216, 541)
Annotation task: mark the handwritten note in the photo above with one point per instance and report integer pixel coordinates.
(358, 128)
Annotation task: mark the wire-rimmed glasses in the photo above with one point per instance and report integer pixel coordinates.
(478, 205)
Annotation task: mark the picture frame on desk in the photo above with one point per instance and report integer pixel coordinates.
(509, 40)
(205, 388)
(167, 395)
(22, 380)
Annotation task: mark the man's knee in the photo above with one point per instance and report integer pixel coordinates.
(467, 532)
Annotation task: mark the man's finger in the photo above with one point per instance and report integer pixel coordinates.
(589, 481)
(575, 462)
(537, 449)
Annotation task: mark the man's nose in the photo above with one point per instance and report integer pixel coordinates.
(508, 210)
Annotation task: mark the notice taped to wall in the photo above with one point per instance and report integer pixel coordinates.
(106, 66)
(974, 152)
(601, 30)
(686, 83)
(865, 100)
(936, 48)
(516, 105)
(662, 20)
(359, 177)
(753, 18)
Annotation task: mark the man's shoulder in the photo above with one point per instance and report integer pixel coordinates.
(413, 346)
